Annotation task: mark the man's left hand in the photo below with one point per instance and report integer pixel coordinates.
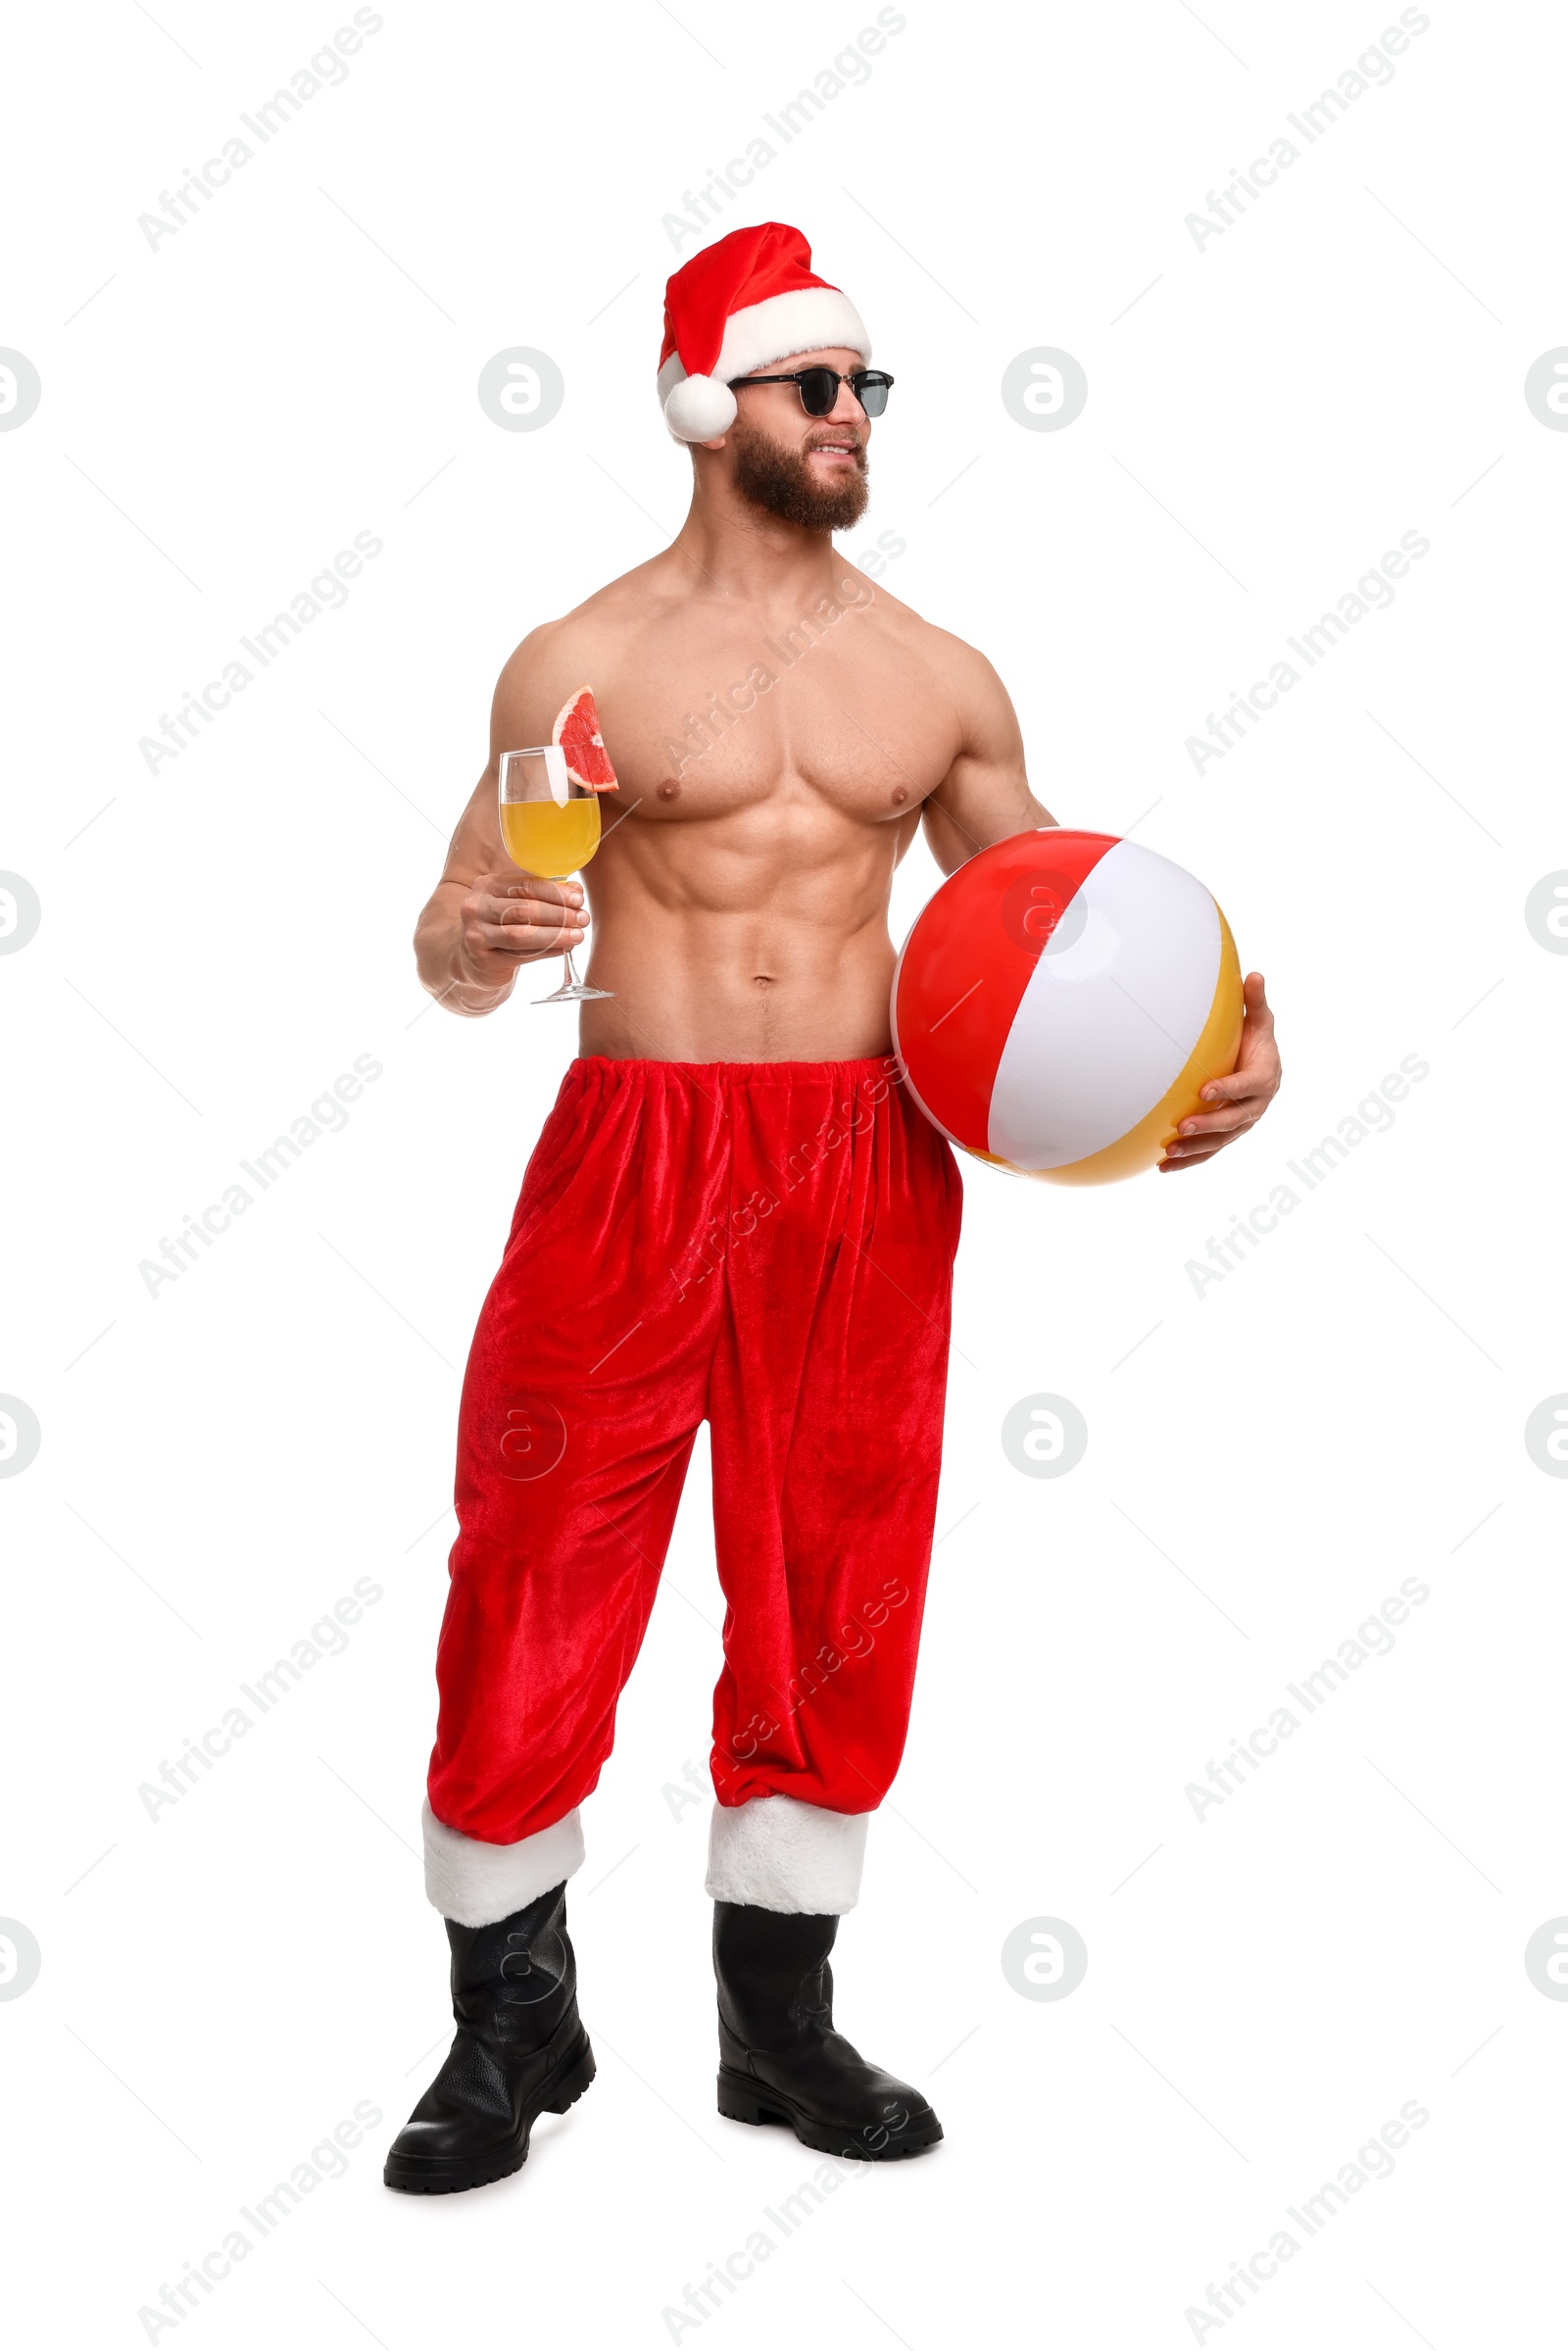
(1243, 1096)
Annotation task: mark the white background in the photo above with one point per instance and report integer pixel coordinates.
(1266, 414)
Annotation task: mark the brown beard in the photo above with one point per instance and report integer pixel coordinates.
(780, 482)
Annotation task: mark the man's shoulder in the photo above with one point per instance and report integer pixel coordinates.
(560, 657)
(959, 664)
(590, 623)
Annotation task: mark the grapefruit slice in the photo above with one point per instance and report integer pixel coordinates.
(577, 730)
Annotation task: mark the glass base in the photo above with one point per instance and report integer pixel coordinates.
(572, 989)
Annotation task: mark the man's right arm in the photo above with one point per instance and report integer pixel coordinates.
(485, 919)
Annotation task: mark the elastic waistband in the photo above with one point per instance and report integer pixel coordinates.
(638, 1068)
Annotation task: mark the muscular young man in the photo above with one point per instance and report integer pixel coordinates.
(734, 1213)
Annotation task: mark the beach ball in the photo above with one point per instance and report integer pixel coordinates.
(1061, 1001)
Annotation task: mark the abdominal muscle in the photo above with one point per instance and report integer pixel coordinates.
(759, 935)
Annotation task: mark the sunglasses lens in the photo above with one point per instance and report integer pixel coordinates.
(819, 389)
(872, 392)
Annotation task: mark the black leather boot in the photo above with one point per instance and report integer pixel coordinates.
(520, 2051)
(780, 2059)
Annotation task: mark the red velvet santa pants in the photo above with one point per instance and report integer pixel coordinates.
(769, 1247)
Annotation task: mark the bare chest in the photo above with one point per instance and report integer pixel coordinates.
(703, 720)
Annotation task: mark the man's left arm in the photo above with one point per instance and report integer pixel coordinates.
(985, 797)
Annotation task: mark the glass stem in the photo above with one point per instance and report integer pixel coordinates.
(571, 980)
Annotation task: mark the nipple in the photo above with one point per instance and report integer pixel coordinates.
(898, 795)
(670, 789)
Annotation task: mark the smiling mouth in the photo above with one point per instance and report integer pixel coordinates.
(839, 449)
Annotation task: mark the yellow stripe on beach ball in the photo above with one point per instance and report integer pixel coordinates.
(1213, 1055)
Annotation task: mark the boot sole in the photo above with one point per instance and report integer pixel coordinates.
(742, 2100)
(447, 2175)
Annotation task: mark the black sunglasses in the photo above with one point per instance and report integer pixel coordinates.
(820, 388)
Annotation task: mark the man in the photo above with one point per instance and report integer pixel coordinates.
(734, 1212)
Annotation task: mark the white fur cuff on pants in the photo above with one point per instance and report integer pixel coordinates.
(476, 1884)
(780, 1854)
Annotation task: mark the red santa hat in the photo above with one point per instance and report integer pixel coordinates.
(749, 300)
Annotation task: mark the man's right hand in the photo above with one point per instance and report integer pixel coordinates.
(485, 918)
(512, 918)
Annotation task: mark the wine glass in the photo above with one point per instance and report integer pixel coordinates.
(550, 825)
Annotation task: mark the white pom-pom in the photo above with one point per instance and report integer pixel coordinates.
(700, 408)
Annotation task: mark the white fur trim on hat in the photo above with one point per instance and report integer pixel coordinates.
(700, 408)
(780, 1854)
(476, 1884)
(812, 318)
